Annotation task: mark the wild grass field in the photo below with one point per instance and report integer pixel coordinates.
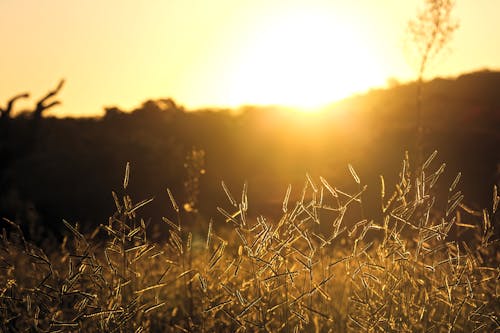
(429, 263)
(260, 218)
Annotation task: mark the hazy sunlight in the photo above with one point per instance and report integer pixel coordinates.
(220, 53)
(249, 166)
(303, 59)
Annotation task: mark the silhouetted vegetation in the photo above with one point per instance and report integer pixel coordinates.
(429, 33)
(71, 166)
(320, 267)
(359, 241)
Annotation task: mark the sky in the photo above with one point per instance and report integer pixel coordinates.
(223, 53)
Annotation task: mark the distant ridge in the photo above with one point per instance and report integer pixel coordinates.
(454, 100)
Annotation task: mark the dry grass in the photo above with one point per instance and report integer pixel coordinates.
(314, 270)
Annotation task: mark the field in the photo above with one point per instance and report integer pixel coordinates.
(294, 191)
(425, 265)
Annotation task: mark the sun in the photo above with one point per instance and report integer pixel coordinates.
(302, 58)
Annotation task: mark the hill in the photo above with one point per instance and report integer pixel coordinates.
(68, 168)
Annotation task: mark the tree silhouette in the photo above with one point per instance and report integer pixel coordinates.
(5, 116)
(41, 105)
(13, 146)
(6, 113)
(78, 160)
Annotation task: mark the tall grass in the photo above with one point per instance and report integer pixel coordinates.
(322, 267)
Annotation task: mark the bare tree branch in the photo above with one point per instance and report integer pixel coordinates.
(41, 106)
(5, 113)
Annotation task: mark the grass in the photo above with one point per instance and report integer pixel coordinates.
(322, 267)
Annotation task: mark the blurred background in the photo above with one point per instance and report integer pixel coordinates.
(195, 92)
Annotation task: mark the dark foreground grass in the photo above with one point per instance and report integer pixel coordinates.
(322, 267)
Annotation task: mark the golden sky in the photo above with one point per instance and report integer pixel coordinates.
(220, 53)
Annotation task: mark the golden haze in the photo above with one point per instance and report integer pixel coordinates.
(220, 53)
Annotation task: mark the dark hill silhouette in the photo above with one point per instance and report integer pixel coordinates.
(76, 162)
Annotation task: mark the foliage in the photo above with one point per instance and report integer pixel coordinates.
(323, 266)
(268, 147)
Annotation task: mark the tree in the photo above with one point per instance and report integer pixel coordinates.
(6, 113)
(10, 145)
(42, 105)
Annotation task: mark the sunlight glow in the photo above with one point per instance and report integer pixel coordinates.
(221, 53)
(303, 59)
